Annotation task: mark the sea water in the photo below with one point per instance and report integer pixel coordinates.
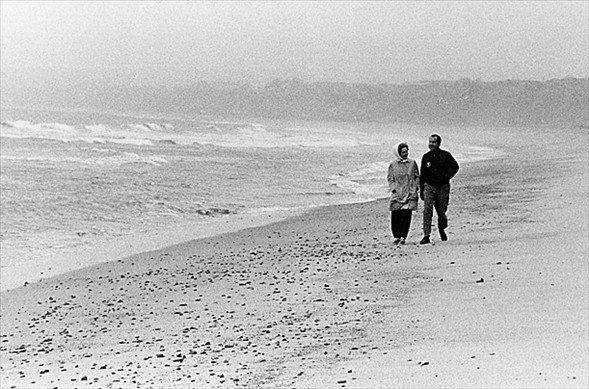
(78, 180)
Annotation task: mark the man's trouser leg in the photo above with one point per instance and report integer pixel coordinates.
(428, 208)
(442, 199)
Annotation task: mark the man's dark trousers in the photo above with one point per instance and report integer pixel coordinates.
(437, 198)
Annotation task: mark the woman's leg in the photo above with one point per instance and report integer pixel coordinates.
(396, 217)
(407, 215)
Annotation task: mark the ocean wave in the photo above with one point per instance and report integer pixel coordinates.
(147, 127)
(132, 134)
(219, 134)
(112, 160)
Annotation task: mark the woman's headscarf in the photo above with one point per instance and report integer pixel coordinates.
(397, 149)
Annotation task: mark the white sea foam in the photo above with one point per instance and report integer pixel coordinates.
(368, 180)
(100, 150)
(477, 153)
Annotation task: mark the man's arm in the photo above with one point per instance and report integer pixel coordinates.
(452, 167)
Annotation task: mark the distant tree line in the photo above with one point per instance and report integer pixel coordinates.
(559, 102)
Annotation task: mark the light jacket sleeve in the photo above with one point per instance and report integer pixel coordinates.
(390, 177)
(416, 187)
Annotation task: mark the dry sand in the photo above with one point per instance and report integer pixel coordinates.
(324, 300)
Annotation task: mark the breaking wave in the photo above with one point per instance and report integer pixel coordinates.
(220, 134)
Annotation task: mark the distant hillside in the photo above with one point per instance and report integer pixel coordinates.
(562, 102)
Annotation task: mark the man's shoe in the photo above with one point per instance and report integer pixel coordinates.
(443, 235)
(402, 241)
(424, 240)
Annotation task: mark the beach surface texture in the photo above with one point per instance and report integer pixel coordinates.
(325, 300)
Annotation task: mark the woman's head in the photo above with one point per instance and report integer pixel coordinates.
(403, 150)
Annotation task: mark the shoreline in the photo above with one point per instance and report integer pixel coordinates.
(324, 299)
(15, 276)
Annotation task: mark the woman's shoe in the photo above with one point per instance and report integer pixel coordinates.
(397, 240)
(402, 241)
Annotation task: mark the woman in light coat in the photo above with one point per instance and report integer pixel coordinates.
(403, 179)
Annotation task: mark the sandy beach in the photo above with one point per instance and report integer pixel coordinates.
(325, 300)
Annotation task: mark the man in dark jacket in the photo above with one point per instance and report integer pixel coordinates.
(438, 167)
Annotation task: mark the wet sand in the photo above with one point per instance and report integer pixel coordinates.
(325, 300)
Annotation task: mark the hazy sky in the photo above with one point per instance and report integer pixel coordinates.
(394, 42)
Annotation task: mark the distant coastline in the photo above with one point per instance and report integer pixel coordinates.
(511, 103)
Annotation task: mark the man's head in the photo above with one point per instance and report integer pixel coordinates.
(434, 142)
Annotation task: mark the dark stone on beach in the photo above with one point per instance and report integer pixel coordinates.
(480, 281)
